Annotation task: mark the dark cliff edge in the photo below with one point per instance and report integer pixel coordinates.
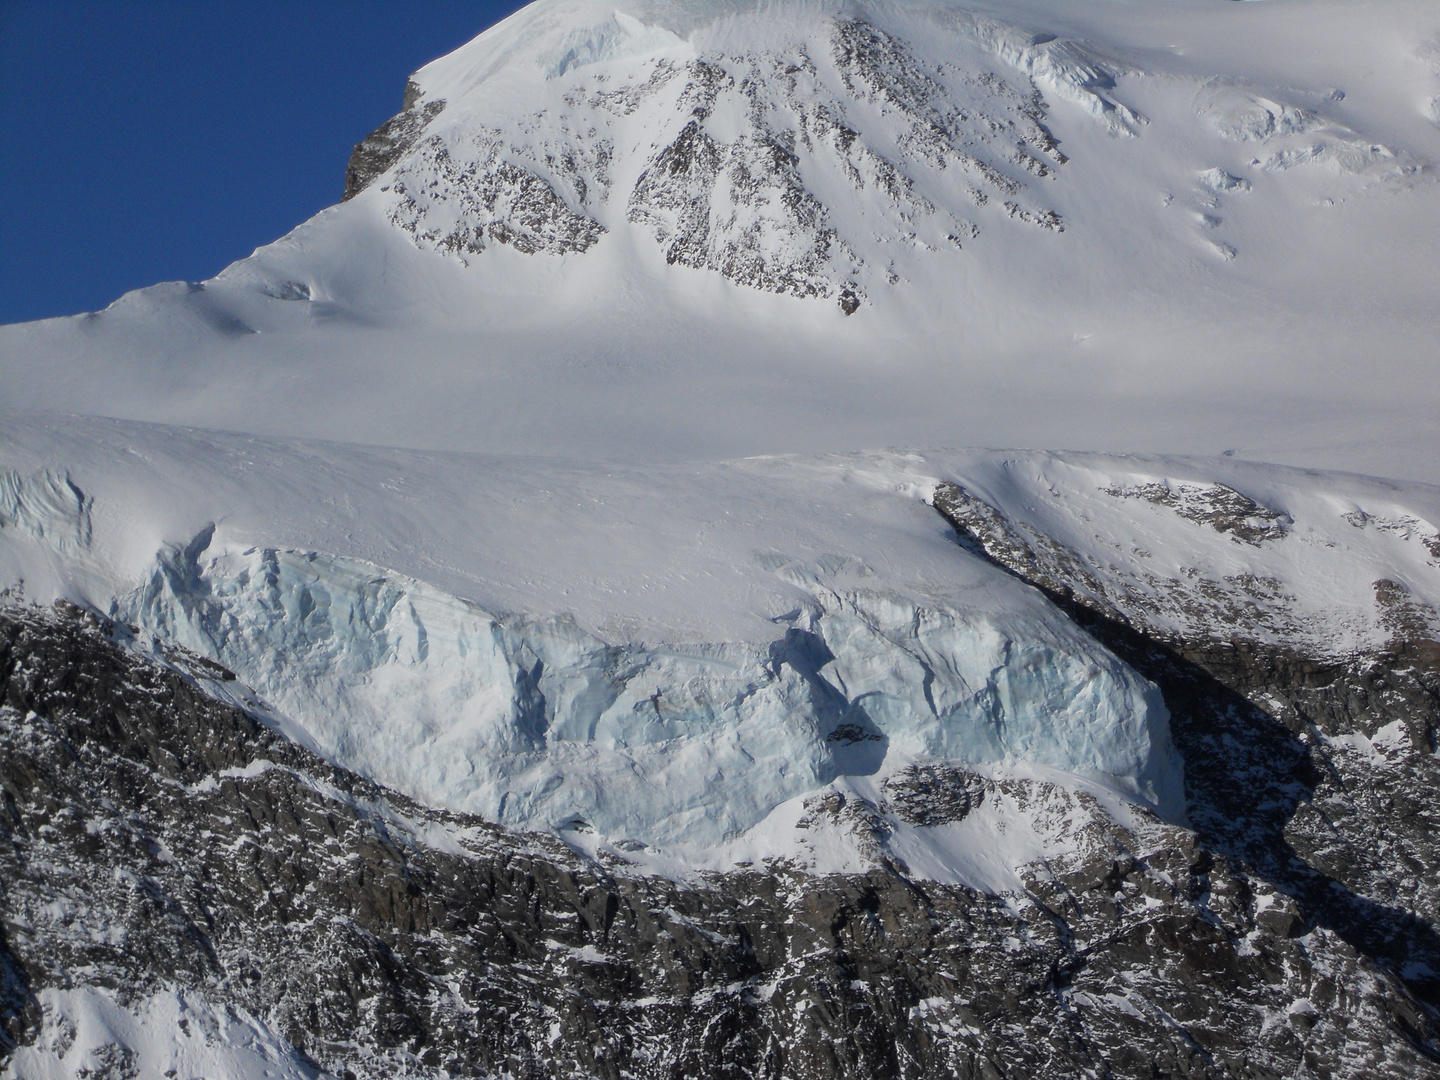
(386, 939)
(385, 145)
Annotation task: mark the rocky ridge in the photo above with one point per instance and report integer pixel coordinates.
(388, 143)
(745, 146)
(1314, 768)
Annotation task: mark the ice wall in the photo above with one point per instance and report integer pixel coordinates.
(537, 723)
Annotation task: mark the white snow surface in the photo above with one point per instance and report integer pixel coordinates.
(86, 1032)
(528, 481)
(1251, 237)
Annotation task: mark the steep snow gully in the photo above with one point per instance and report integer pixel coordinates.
(463, 638)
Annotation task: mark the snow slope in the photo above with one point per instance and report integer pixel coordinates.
(633, 233)
(87, 1032)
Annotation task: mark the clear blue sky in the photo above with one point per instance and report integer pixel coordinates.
(160, 140)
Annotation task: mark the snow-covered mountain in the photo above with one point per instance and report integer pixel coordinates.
(525, 509)
(1180, 227)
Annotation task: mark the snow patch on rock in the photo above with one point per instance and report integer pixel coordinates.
(88, 1032)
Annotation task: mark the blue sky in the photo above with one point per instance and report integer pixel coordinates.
(159, 140)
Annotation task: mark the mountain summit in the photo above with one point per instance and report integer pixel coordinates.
(688, 230)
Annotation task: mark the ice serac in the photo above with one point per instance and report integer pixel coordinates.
(683, 657)
(538, 724)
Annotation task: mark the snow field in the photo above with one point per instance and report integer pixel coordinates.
(174, 1033)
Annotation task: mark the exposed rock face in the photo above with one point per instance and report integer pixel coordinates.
(814, 151)
(1246, 605)
(483, 198)
(155, 839)
(1317, 770)
(1223, 509)
(787, 169)
(384, 146)
(746, 208)
(934, 794)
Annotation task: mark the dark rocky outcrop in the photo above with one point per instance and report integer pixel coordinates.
(1280, 773)
(387, 939)
(490, 200)
(388, 143)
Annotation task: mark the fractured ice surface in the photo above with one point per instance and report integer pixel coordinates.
(536, 723)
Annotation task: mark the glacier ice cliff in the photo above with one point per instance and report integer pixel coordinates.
(536, 723)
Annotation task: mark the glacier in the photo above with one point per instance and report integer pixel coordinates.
(619, 711)
(524, 478)
(676, 659)
(537, 724)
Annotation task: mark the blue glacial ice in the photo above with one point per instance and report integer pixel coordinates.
(536, 723)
